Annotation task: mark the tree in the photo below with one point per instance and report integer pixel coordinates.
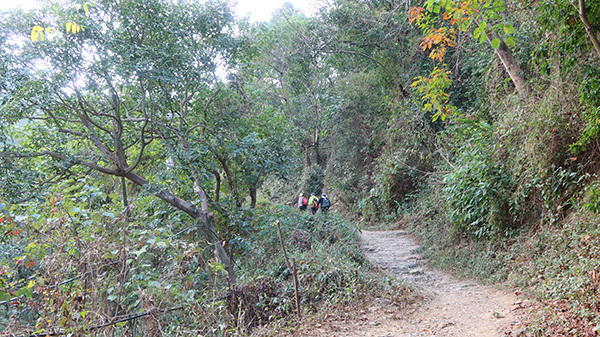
(294, 78)
(441, 21)
(113, 97)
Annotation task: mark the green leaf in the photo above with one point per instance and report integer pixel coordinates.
(483, 37)
(508, 29)
(96, 217)
(436, 9)
(29, 293)
(155, 284)
(495, 43)
(74, 251)
(510, 41)
(140, 252)
(464, 26)
(482, 26)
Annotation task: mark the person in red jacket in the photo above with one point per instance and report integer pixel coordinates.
(302, 202)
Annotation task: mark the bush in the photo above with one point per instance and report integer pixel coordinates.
(331, 269)
(480, 190)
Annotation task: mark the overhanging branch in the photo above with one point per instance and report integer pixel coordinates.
(398, 84)
(73, 160)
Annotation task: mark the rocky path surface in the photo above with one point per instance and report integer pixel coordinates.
(450, 307)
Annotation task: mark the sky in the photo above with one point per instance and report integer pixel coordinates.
(258, 10)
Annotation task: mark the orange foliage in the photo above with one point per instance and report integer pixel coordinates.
(440, 40)
(415, 13)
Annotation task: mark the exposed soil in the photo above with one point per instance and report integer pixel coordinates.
(448, 307)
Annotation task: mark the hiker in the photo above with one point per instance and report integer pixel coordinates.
(324, 203)
(302, 202)
(313, 201)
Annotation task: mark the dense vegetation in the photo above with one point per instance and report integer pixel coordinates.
(152, 154)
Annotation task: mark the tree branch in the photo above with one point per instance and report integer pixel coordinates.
(398, 84)
(588, 26)
(74, 160)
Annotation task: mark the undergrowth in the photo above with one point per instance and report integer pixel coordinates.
(75, 266)
(332, 271)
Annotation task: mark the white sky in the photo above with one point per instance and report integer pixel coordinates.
(259, 10)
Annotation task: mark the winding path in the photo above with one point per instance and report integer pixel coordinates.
(449, 307)
(452, 307)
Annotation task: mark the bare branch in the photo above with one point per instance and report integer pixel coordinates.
(56, 122)
(74, 160)
(86, 116)
(444, 156)
(141, 152)
(50, 180)
(205, 111)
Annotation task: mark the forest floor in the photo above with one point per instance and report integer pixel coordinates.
(446, 306)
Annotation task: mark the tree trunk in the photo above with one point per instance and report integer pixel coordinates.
(230, 179)
(318, 157)
(511, 65)
(588, 27)
(211, 233)
(252, 189)
(218, 187)
(306, 152)
(201, 216)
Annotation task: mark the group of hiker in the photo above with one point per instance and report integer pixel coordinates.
(314, 203)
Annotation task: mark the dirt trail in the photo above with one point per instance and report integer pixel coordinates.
(450, 307)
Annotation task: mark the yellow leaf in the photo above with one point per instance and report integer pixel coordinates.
(69, 25)
(37, 32)
(86, 9)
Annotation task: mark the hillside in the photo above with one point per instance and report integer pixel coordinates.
(152, 155)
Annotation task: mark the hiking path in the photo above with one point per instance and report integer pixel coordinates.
(446, 306)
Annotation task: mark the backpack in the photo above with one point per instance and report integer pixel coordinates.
(304, 201)
(315, 203)
(325, 203)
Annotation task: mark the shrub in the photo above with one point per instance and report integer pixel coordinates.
(480, 190)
